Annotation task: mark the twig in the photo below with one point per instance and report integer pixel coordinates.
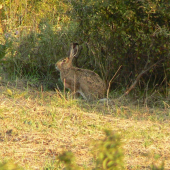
(108, 89)
(60, 93)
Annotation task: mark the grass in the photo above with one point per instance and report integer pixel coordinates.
(38, 126)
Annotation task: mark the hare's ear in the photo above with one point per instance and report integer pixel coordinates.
(73, 50)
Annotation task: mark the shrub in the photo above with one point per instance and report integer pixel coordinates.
(35, 55)
(134, 34)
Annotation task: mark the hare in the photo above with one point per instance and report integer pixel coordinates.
(83, 81)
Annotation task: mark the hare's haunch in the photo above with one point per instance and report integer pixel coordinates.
(83, 81)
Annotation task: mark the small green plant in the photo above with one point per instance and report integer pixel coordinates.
(161, 167)
(155, 165)
(109, 151)
(69, 161)
(9, 165)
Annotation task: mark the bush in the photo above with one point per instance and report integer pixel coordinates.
(127, 33)
(134, 34)
(35, 55)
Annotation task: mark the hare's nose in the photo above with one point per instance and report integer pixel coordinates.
(56, 68)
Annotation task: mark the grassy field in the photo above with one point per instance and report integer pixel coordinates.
(37, 126)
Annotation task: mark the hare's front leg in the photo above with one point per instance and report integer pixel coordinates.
(82, 94)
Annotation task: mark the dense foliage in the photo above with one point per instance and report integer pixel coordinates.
(134, 34)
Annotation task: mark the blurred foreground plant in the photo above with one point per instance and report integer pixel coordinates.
(109, 152)
(9, 165)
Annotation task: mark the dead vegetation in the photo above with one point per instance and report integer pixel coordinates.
(37, 126)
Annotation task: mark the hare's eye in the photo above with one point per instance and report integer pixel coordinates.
(64, 60)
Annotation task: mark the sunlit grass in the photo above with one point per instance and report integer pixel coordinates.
(37, 126)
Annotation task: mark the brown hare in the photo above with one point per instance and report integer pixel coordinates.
(83, 81)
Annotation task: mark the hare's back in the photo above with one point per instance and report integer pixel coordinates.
(90, 78)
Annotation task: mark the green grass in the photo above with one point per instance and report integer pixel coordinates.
(37, 126)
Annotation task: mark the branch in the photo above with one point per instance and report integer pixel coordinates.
(108, 89)
(138, 77)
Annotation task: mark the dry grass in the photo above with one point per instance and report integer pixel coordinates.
(38, 126)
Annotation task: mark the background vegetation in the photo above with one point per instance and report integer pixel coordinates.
(127, 33)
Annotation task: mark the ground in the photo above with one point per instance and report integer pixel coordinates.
(37, 126)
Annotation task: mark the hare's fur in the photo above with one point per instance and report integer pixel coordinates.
(83, 81)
